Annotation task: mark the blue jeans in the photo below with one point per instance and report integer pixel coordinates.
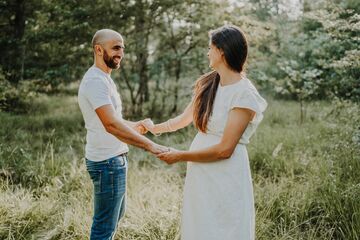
(109, 179)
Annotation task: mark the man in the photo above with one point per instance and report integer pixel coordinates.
(108, 134)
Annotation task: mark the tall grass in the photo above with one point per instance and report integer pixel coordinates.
(306, 176)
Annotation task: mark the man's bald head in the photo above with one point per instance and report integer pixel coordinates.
(104, 35)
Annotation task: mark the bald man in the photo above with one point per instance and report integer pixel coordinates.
(108, 134)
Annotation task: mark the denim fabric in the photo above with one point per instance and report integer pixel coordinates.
(109, 179)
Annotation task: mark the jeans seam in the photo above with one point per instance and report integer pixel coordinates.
(100, 181)
(112, 185)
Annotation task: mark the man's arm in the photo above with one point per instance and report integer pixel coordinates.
(129, 123)
(117, 127)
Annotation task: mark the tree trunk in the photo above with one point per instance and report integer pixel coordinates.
(18, 56)
(176, 89)
(19, 22)
(301, 111)
(23, 48)
(143, 31)
(143, 91)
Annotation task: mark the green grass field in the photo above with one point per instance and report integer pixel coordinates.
(306, 176)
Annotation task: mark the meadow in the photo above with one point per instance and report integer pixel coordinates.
(306, 175)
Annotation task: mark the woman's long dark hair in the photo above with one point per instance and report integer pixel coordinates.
(232, 42)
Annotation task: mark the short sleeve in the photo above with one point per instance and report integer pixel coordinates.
(252, 100)
(97, 92)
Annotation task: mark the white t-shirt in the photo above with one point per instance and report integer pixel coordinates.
(98, 89)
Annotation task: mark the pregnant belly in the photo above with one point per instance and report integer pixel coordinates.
(233, 171)
(203, 140)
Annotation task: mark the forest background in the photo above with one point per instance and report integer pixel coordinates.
(304, 57)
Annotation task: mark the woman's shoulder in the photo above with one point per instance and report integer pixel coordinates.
(244, 86)
(246, 91)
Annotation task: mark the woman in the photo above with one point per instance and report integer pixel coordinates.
(226, 109)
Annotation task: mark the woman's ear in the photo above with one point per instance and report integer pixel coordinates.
(222, 54)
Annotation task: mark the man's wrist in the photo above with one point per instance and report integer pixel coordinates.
(148, 146)
(129, 123)
(135, 124)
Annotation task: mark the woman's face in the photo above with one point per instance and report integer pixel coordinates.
(215, 56)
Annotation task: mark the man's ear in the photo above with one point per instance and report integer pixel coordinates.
(98, 50)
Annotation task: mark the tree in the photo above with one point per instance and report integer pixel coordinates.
(15, 16)
(326, 55)
(184, 29)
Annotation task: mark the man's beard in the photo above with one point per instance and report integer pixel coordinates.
(109, 61)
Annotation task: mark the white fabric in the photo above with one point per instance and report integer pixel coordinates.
(98, 89)
(218, 196)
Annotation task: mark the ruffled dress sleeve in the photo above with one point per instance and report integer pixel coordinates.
(250, 99)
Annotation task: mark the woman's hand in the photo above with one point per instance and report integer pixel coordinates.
(148, 125)
(170, 157)
(139, 127)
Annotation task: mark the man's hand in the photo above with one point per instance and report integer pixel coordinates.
(139, 127)
(157, 149)
(148, 125)
(171, 156)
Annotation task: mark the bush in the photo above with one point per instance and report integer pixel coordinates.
(16, 99)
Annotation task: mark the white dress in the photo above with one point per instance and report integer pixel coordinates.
(218, 196)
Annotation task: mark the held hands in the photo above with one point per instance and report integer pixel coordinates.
(171, 156)
(157, 149)
(145, 126)
(168, 155)
(148, 125)
(139, 127)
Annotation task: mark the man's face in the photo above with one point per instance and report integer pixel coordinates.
(113, 53)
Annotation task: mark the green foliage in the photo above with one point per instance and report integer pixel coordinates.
(15, 99)
(322, 60)
(313, 55)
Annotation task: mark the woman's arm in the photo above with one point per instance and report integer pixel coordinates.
(237, 122)
(173, 124)
(137, 126)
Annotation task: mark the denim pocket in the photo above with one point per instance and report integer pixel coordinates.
(95, 176)
(118, 162)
